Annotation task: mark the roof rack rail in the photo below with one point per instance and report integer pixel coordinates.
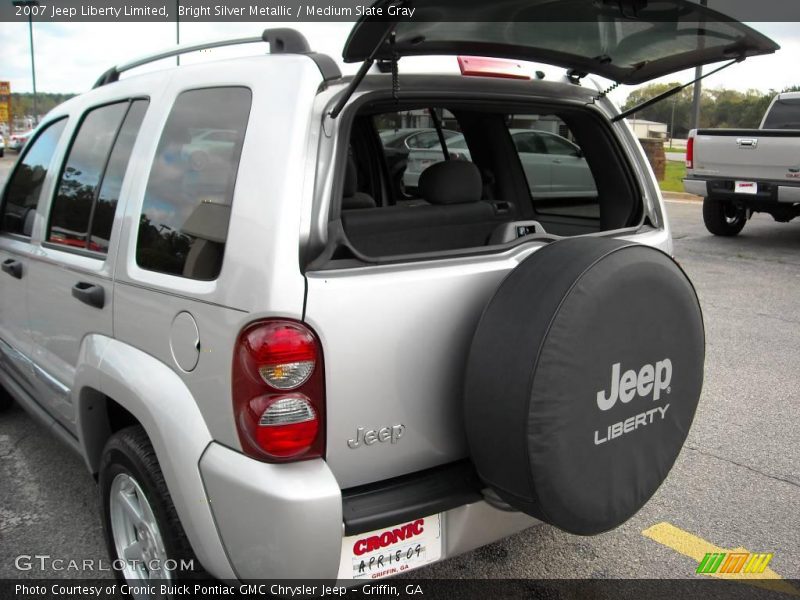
(281, 40)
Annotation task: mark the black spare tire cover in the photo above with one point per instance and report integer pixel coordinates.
(582, 381)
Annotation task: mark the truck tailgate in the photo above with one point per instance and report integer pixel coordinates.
(747, 154)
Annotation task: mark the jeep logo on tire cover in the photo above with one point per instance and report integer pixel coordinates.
(650, 378)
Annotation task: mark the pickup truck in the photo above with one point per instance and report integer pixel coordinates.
(742, 171)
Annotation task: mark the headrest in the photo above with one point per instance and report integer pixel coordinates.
(451, 182)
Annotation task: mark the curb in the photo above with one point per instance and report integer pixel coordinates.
(681, 196)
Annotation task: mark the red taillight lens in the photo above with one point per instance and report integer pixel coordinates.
(690, 153)
(278, 391)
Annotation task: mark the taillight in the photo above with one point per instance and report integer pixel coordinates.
(479, 66)
(690, 153)
(278, 391)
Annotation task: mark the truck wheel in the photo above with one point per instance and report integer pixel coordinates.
(582, 381)
(143, 533)
(722, 217)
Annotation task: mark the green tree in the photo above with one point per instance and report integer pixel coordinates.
(718, 107)
(22, 104)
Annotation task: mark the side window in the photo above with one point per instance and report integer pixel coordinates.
(184, 221)
(25, 186)
(529, 142)
(415, 131)
(83, 208)
(558, 145)
(107, 197)
(559, 178)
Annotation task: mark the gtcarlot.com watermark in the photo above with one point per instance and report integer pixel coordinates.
(46, 562)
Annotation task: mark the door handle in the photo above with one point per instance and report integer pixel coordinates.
(13, 267)
(89, 293)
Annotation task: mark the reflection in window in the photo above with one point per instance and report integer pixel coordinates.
(72, 208)
(184, 221)
(25, 186)
(106, 204)
(84, 206)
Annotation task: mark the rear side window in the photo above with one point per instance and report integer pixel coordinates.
(25, 186)
(82, 214)
(186, 210)
(559, 178)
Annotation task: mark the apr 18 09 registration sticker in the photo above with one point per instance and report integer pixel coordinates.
(392, 550)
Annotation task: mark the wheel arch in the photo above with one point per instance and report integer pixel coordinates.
(113, 374)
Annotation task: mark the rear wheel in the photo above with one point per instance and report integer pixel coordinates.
(143, 533)
(722, 217)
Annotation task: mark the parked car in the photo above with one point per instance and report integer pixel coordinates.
(554, 166)
(414, 139)
(17, 141)
(743, 171)
(274, 370)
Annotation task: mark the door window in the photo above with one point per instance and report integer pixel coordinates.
(82, 212)
(25, 186)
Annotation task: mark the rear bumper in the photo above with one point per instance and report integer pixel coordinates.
(287, 521)
(724, 189)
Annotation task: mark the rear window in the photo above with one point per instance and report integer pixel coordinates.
(184, 222)
(433, 179)
(784, 114)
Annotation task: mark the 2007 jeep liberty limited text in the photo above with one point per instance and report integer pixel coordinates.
(221, 288)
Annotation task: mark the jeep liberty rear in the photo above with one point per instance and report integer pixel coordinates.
(293, 342)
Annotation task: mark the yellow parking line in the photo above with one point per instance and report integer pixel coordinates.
(696, 548)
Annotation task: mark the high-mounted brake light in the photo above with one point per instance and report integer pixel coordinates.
(478, 66)
(278, 391)
(690, 153)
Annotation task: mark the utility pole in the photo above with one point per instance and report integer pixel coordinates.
(697, 89)
(31, 4)
(178, 29)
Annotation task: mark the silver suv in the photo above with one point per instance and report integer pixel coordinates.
(281, 362)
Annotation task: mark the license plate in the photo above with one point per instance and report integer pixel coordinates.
(746, 187)
(392, 550)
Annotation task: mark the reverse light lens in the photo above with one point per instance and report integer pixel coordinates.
(287, 427)
(287, 411)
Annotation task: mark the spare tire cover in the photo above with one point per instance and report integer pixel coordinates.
(582, 381)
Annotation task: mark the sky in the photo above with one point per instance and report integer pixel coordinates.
(71, 56)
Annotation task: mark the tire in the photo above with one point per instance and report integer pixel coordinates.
(582, 381)
(129, 469)
(722, 217)
(5, 399)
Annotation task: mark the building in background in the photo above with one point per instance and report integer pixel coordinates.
(644, 129)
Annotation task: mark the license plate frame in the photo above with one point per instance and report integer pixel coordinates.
(392, 550)
(745, 187)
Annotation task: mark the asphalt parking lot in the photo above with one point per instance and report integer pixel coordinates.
(735, 485)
